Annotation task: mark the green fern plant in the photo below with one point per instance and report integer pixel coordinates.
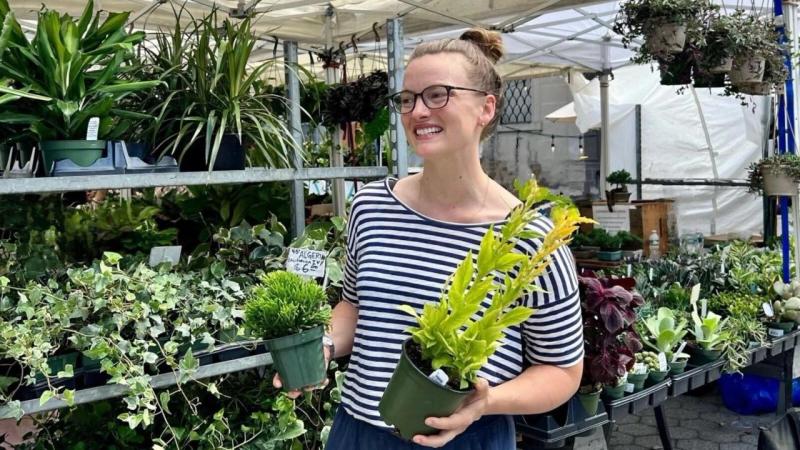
(285, 303)
(446, 333)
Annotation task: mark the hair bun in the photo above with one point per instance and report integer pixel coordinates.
(490, 42)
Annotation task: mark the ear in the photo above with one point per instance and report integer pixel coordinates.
(489, 109)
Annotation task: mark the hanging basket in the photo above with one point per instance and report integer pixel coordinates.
(748, 70)
(778, 183)
(676, 73)
(666, 38)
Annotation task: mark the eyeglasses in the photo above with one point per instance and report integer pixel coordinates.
(434, 97)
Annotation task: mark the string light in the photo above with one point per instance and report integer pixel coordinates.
(581, 156)
(552, 144)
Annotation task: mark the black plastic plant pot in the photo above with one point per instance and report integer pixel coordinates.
(589, 401)
(58, 363)
(92, 376)
(411, 397)
(299, 358)
(677, 367)
(676, 72)
(231, 155)
(709, 80)
(613, 392)
(637, 379)
(701, 356)
(779, 329)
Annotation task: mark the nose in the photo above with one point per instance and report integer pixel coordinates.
(421, 110)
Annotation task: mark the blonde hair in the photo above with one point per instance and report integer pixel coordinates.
(482, 49)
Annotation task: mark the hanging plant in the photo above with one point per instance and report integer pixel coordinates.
(357, 101)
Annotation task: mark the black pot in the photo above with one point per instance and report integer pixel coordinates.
(709, 80)
(229, 157)
(676, 72)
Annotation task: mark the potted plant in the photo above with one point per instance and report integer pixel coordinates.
(71, 71)
(638, 374)
(631, 245)
(447, 341)
(777, 175)
(786, 310)
(709, 336)
(610, 342)
(578, 245)
(290, 313)
(755, 41)
(216, 118)
(665, 24)
(775, 75)
(610, 248)
(620, 179)
(664, 334)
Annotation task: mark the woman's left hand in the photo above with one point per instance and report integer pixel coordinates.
(473, 409)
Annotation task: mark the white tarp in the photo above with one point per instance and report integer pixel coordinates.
(674, 144)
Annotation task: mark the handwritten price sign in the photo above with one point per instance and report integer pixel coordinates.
(309, 263)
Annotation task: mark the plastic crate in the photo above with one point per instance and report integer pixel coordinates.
(695, 378)
(639, 401)
(552, 429)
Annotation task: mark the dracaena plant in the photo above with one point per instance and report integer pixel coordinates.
(665, 332)
(610, 341)
(446, 333)
(68, 73)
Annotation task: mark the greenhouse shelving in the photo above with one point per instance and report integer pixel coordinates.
(160, 381)
(132, 181)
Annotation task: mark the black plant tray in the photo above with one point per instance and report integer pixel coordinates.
(236, 350)
(784, 343)
(639, 401)
(696, 377)
(758, 354)
(552, 429)
(35, 391)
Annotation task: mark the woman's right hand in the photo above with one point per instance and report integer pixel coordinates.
(276, 380)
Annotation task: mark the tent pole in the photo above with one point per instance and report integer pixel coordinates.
(332, 77)
(711, 157)
(783, 108)
(397, 136)
(293, 90)
(604, 113)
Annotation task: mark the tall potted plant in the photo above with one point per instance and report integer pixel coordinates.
(610, 341)
(71, 71)
(620, 178)
(447, 339)
(709, 336)
(290, 313)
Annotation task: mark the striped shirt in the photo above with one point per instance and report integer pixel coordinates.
(397, 256)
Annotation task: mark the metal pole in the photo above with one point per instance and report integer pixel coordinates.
(331, 77)
(710, 147)
(298, 207)
(639, 150)
(605, 164)
(397, 136)
(782, 142)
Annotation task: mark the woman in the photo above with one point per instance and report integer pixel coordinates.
(405, 237)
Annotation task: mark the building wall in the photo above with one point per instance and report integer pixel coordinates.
(519, 150)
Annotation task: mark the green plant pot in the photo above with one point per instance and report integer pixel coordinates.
(656, 377)
(637, 380)
(606, 255)
(82, 153)
(782, 329)
(411, 397)
(299, 358)
(677, 367)
(700, 356)
(613, 392)
(58, 363)
(589, 401)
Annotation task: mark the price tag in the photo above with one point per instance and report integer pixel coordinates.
(439, 377)
(680, 350)
(171, 254)
(695, 294)
(704, 307)
(91, 130)
(629, 387)
(775, 332)
(629, 270)
(650, 274)
(639, 368)
(768, 311)
(722, 267)
(662, 362)
(309, 263)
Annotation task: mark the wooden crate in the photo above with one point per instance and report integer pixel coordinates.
(656, 215)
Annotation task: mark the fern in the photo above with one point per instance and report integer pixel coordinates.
(447, 335)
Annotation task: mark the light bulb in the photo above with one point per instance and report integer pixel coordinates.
(581, 155)
(552, 144)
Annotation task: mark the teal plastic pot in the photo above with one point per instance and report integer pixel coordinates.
(589, 401)
(411, 397)
(700, 356)
(82, 153)
(677, 367)
(613, 392)
(656, 377)
(637, 380)
(299, 359)
(605, 255)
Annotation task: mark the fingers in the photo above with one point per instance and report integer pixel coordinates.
(293, 394)
(457, 421)
(436, 440)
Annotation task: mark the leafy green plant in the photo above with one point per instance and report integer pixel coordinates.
(629, 240)
(788, 164)
(620, 178)
(709, 331)
(447, 335)
(285, 303)
(737, 304)
(743, 334)
(665, 332)
(68, 73)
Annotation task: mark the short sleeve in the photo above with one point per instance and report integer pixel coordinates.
(553, 335)
(349, 292)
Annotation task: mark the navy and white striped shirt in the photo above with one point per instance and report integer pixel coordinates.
(397, 256)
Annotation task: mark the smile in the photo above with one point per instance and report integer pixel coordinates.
(428, 131)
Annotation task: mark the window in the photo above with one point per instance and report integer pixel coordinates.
(518, 102)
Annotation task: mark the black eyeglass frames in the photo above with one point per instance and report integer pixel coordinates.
(434, 97)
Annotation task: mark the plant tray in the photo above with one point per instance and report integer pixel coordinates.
(695, 378)
(640, 401)
(237, 350)
(758, 354)
(550, 430)
(784, 343)
(34, 391)
(117, 161)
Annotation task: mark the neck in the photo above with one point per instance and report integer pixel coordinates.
(454, 181)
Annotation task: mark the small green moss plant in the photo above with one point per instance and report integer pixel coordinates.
(447, 333)
(619, 178)
(285, 303)
(786, 164)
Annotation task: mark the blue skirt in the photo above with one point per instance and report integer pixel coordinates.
(488, 433)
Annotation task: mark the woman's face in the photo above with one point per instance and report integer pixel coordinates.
(457, 126)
